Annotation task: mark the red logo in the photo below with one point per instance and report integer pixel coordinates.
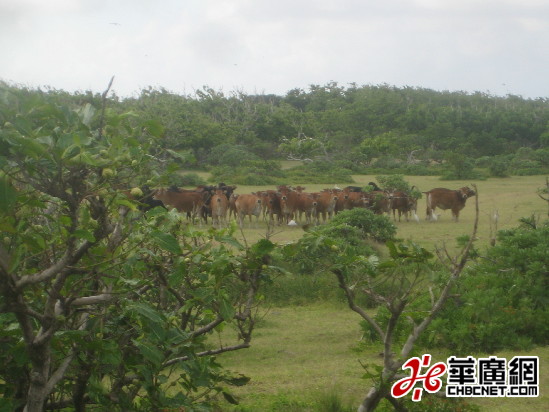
(431, 382)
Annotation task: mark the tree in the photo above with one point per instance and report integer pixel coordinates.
(406, 284)
(501, 301)
(406, 272)
(100, 303)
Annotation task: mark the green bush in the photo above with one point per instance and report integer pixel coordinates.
(499, 166)
(459, 167)
(371, 226)
(503, 301)
(231, 155)
(319, 172)
(419, 170)
(188, 179)
(250, 172)
(397, 182)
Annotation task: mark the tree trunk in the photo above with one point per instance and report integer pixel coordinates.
(37, 390)
(40, 355)
(372, 399)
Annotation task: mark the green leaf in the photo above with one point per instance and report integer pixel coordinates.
(7, 227)
(84, 234)
(127, 203)
(146, 311)
(150, 353)
(154, 127)
(167, 242)
(8, 196)
(263, 247)
(229, 240)
(226, 310)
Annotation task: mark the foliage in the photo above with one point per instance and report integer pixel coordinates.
(100, 303)
(397, 183)
(318, 248)
(253, 172)
(499, 167)
(231, 155)
(371, 226)
(319, 172)
(187, 179)
(528, 162)
(404, 130)
(460, 167)
(502, 299)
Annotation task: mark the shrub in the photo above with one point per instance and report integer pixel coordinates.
(502, 300)
(231, 155)
(250, 172)
(188, 179)
(459, 167)
(319, 172)
(372, 226)
(419, 170)
(499, 167)
(397, 182)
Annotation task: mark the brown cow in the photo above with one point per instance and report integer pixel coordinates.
(219, 205)
(349, 199)
(247, 205)
(447, 199)
(232, 205)
(271, 205)
(185, 201)
(288, 202)
(405, 204)
(326, 202)
(306, 204)
(378, 201)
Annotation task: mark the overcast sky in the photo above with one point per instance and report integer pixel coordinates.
(498, 47)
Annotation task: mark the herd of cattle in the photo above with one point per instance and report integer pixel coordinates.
(289, 204)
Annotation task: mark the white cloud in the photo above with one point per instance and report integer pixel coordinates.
(261, 45)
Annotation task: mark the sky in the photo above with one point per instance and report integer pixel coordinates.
(499, 47)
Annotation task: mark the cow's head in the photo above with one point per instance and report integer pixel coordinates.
(466, 192)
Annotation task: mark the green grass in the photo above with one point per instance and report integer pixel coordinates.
(299, 353)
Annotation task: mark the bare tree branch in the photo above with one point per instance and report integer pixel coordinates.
(207, 328)
(354, 306)
(244, 345)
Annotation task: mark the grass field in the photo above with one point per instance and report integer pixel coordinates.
(300, 354)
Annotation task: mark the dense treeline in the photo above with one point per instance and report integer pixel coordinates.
(355, 129)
